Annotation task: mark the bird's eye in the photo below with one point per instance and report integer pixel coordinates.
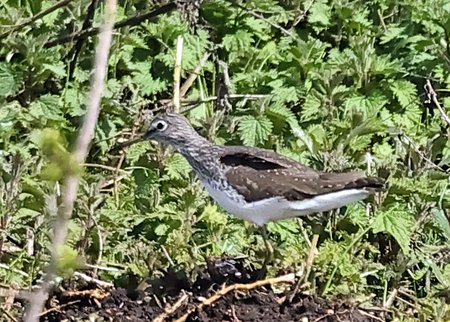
(161, 126)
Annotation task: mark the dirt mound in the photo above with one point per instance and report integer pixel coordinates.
(172, 298)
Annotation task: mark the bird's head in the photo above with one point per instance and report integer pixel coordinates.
(173, 129)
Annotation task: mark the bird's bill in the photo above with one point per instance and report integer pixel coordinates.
(123, 145)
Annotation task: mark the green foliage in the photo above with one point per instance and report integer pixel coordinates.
(254, 130)
(396, 222)
(341, 85)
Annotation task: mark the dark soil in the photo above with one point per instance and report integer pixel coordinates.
(75, 302)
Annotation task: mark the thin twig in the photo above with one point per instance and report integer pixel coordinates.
(390, 299)
(8, 315)
(93, 280)
(309, 263)
(177, 75)
(288, 278)
(171, 309)
(370, 315)
(420, 153)
(193, 76)
(311, 255)
(104, 167)
(37, 16)
(71, 183)
(76, 49)
(432, 97)
(57, 308)
(257, 15)
(380, 16)
(103, 268)
(168, 103)
(15, 270)
(133, 21)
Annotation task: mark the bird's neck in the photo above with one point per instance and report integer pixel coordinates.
(200, 153)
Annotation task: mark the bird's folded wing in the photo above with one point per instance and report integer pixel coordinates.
(268, 175)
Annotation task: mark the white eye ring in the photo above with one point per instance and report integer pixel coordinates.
(161, 126)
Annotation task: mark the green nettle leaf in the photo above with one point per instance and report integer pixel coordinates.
(320, 13)
(49, 107)
(405, 92)
(396, 222)
(146, 83)
(212, 215)
(177, 167)
(254, 130)
(58, 68)
(280, 111)
(392, 33)
(8, 83)
(312, 108)
(441, 221)
(238, 41)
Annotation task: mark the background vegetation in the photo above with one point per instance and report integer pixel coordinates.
(337, 85)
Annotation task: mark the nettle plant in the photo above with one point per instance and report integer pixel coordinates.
(336, 85)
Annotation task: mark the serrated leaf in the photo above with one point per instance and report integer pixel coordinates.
(320, 13)
(147, 84)
(396, 222)
(47, 106)
(212, 215)
(59, 68)
(8, 83)
(280, 111)
(392, 33)
(441, 221)
(405, 92)
(254, 130)
(177, 167)
(312, 108)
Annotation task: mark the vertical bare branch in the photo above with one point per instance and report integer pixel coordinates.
(71, 183)
(177, 75)
(432, 98)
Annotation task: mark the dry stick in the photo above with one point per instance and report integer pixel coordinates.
(37, 16)
(257, 15)
(93, 280)
(189, 104)
(8, 315)
(309, 263)
(432, 97)
(288, 278)
(71, 183)
(133, 21)
(192, 77)
(177, 75)
(59, 307)
(171, 309)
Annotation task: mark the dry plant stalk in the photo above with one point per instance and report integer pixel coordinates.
(71, 182)
(177, 75)
(432, 97)
(193, 76)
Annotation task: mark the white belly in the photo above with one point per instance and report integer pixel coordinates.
(277, 208)
(259, 212)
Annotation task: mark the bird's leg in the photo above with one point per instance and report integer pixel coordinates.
(269, 248)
